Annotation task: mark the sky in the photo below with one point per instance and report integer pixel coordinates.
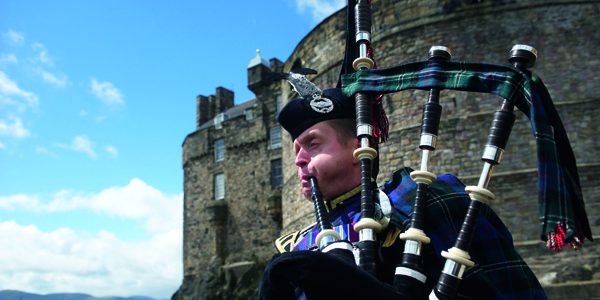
(96, 98)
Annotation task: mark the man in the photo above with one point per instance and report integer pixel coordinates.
(324, 141)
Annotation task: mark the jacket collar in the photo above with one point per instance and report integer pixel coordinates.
(343, 198)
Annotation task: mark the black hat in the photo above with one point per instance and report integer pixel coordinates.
(301, 113)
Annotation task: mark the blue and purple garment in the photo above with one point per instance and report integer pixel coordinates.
(499, 273)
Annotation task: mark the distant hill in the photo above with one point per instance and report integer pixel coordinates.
(18, 295)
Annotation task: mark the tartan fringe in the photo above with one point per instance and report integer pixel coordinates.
(555, 240)
(380, 121)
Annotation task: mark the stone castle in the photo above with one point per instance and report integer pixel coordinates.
(240, 185)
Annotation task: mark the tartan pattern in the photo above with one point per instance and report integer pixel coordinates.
(560, 199)
(499, 80)
(309, 241)
(343, 216)
(499, 271)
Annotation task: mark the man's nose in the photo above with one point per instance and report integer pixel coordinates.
(302, 158)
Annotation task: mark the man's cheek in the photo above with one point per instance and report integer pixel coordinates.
(318, 163)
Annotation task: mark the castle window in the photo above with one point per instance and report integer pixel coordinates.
(219, 150)
(276, 173)
(249, 114)
(218, 121)
(220, 186)
(275, 136)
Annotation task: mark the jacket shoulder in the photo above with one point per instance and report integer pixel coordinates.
(286, 242)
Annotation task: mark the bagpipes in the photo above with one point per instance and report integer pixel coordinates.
(562, 214)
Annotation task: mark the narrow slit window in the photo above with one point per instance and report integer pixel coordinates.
(219, 150)
(276, 173)
(220, 186)
(275, 137)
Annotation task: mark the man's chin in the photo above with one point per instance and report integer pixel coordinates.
(307, 193)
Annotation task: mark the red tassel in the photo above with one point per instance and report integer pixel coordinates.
(381, 123)
(556, 239)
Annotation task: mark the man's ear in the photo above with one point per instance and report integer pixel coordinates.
(356, 145)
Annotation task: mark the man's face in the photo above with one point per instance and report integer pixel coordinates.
(320, 153)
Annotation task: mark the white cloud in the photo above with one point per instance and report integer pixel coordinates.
(13, 129)
(19, 201)
(10, 58)
(42, 54)
(100, 118)
(112, 150)
(82, 143)
(319, 9)
(42, 150)
(45, 151)
(53, 79)
(107, 92)
(14, 37)
(2, 146)
(68, 260)
(9, 90)
(137, 201)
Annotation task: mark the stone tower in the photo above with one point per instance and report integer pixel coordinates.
(232, 189)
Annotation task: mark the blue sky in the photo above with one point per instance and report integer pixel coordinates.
(96, 98)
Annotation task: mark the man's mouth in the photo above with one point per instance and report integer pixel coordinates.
(305, 183)
(305, 180)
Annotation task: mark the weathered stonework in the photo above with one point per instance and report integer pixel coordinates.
(564, 32)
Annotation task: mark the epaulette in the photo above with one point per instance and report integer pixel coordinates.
(286, 242)
(391, 236)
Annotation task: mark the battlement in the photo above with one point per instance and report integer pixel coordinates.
(208, 107)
